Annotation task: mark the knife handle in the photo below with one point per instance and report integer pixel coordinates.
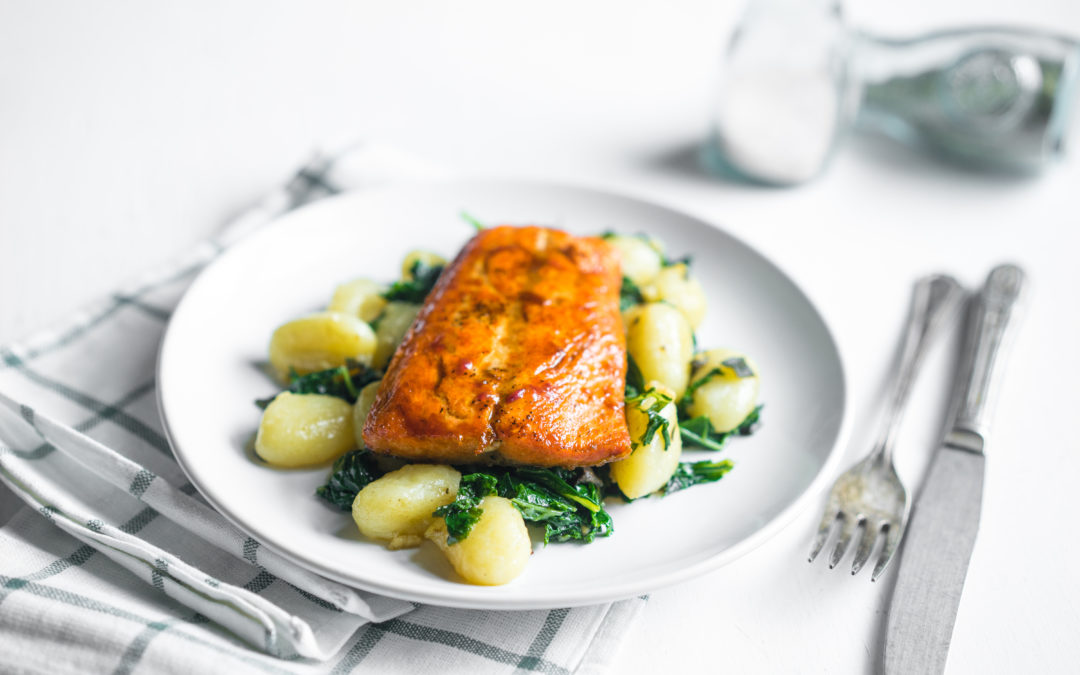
(989, 329)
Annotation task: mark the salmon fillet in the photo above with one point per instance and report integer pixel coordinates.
(517, 357)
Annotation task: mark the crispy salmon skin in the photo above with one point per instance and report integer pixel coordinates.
(517, 357)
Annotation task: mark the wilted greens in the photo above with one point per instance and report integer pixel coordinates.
(565, 502)
(699, 431)
(735, 364)
(657, 421)
(629, 295)
(416, 289)
(635, 382)
(351, 472)
(344, 382)
(690, 474)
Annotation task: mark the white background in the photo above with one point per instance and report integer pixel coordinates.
(129, 130)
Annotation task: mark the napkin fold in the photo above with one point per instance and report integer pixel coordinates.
(114, 562)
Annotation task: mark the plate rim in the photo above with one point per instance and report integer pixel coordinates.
(466, 596)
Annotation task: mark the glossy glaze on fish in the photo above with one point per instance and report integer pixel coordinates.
(518, 356)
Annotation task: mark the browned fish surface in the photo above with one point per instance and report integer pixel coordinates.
(518, 356)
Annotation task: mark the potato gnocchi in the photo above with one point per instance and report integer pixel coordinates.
(299, 430)
(398, 507)
(660, 341)
(496, 550)
(677, 397)
(657, 454)
(320, 341)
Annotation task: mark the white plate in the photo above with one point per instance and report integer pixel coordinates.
(208, 379)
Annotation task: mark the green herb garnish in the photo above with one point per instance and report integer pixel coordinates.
(472, 221)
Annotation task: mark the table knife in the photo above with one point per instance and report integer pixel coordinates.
(945, 518)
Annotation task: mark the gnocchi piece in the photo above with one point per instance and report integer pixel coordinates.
(496, 550)
(397, 507)
(361, 408)
(661, 342)
(320, 341)
(641, 258)
(426, 257)
(305, 430)
(391, 329)
(361, 298)
(651, 464)
(723, 393)
(675, 285)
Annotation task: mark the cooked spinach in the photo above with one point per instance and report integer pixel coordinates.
(416, 289)
(565, 502)
(629, 295)
(735, 364)
(351, 472)
(739, 365)
(685, 260)
(464, 512)
(690, 474)
(635, 382)
(699, 430)
(344, 382)
(657, 421)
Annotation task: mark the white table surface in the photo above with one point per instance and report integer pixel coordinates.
(129, 130)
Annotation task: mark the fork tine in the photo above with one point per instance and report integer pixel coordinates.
(824, 529)
(847, 529)
(866, 546)
(892, 538)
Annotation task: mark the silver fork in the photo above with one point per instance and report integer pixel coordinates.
(870, 496)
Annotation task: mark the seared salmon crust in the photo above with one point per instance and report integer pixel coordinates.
(517, 357)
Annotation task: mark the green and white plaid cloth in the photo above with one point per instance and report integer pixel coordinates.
(112, 562)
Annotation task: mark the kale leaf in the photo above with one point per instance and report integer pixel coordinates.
(416, 289)
(565, 502)
(690, 474)
(629, 295)
(351, 472)
(699, 430)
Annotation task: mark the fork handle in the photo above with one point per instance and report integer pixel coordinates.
(932, 299)
(989, 332)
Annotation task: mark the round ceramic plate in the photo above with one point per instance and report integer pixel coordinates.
(209, 376)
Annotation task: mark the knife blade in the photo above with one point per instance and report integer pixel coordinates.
(945, 519)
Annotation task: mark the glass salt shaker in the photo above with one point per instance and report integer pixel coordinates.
(795, 80)
(784, 99)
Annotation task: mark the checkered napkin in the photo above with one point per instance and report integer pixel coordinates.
(114, 563)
